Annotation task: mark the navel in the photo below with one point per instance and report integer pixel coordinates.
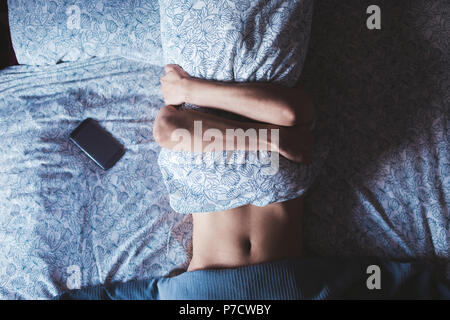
(247, 246)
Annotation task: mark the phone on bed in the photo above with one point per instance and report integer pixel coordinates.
(97, 143)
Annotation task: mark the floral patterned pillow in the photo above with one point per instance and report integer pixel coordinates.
(237, 40)
(48, 32)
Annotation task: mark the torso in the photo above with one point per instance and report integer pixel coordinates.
(247, 235)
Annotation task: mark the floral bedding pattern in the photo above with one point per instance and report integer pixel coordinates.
(384, 102)
(49, 32)
(64, 222)
(239, 41)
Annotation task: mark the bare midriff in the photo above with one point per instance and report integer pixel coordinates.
(247, 235)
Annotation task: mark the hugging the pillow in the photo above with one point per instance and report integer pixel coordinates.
(235, 41)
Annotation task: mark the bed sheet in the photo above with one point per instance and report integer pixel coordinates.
(384, 104)
(63, 221)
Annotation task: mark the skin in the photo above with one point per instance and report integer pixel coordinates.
(247, 234)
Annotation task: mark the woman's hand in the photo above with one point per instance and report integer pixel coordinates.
(173, 85)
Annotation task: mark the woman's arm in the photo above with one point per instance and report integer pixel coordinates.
(187, 130)
(195, 124)
(265, 102)
(285, 113)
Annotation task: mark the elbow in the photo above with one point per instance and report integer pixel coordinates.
(298, 110)
(164, 125)
(288, 116)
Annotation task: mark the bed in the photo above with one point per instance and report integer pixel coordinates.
(384, 190)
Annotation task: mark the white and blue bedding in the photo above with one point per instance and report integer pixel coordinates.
(63, 221)
(49, 32)
(384, 190)
(384, 103)
(237, 41)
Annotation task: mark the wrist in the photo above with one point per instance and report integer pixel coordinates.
(197, 91)
(187, 89)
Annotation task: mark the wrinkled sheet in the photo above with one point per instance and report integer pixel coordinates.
(384, 102)
(63, 221)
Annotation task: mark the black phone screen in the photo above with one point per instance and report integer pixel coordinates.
(97, 143)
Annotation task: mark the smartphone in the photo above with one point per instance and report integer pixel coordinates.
(97, 143)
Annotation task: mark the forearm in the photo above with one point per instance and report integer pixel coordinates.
(195, 131)
(285, 116)
(265, 102)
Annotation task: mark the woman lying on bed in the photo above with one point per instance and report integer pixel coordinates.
(247, 234)
(241, 242)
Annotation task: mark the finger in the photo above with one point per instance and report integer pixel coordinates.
(164, 78)
(169, 67)
(168, 75)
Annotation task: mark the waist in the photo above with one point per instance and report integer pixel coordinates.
(247, 235)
